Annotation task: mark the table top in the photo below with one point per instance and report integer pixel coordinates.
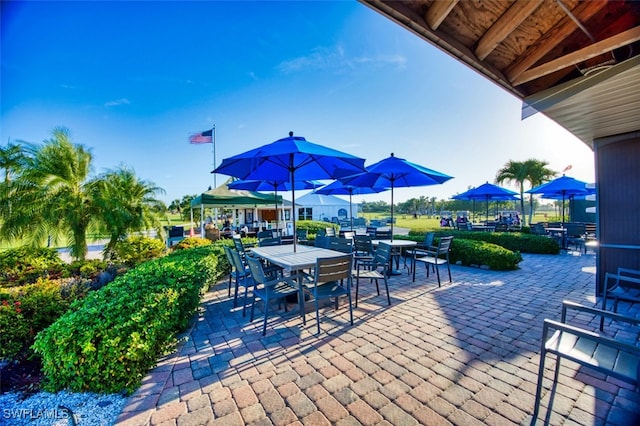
(557, 229)
(284, 256)
(395, 243)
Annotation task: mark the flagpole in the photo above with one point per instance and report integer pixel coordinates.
(213, 130)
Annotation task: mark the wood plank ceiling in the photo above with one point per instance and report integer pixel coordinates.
(578, 62)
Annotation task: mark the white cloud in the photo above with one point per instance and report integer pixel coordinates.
(336, 59)
(117, 102)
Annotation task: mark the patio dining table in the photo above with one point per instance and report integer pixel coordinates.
(303, 258)
(396, 246)
(559, 233)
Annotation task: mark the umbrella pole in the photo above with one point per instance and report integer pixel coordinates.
(293, 201)
(351, 208)
(391, 210)
(275, 188)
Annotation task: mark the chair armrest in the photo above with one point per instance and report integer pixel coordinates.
(566, 305)
(548, 323)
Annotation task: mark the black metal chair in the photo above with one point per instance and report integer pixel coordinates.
(437, 257)
(374, 269)
(331, 280)
(268, 289)
(241, 274)
(587, 348)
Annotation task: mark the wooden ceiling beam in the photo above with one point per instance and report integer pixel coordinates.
(506, 24)
(438, 12)
(604, 46)
(584, 11)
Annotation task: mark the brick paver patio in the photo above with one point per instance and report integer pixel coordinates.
(462, 354)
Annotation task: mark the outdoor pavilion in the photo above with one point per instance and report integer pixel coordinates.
(576, 62)
(246, 206)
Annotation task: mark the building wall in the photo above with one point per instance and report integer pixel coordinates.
(617, 203)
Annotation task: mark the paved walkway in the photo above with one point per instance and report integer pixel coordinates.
(463, 354)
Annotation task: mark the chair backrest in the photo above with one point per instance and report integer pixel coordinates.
(330, 231)
(265, 234)
(383, 235)
(344, 245)
(237, 242)
(371, 230)
(229, 255)
(538, 229)
(428, 239)
(322, 241)
(273, 241)
(501, 227)
(362, 245)
(257, 273)
(382, 254)
(302, 234)
(330, 269)
(348, 234)
(238, 262)
(575, 229)
(444, 245)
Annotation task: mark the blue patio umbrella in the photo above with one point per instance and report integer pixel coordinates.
(291, 159)
(487, 192)
(562, 188)
(339, 188)
(394, 172)
(275, 186)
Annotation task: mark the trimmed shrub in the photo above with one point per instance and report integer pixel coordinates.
(470, 252)
(29, 309)
(478, 253)
(514, 241)
(136, 250)
(192, 242)
(26, 264)
(108, 341)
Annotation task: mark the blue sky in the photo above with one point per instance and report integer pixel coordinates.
(133, 80)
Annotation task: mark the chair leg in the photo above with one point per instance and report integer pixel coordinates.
(449, 269)
(386, 286)
(317, 314)
(229, 286)
(253, 305)
(438, 273)
(350, 308)
(266, 313)
(357, 286)
(244, 304)
(536, 407)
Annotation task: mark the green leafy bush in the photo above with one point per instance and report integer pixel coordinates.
(470, 252)
(135, 250)
(478, 253)
(191, 242)
(26, 310)
(108, 341)
(313, 226)
(26, 264)
(514, 241)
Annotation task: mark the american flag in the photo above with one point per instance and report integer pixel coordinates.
(202, 137)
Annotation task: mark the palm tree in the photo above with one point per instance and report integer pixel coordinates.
(12, 161)
(54, 196)
(514, 171)
(537, 174)
(126, 204)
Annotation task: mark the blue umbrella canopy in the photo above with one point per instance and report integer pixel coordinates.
(339, 188)
(291, 159)
(275, 186)
(394, 172)
(487, 192)
(562, 188)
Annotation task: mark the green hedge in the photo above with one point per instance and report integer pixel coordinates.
(514, 241)
(108, 341)
(470, 252)
(478, 253)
